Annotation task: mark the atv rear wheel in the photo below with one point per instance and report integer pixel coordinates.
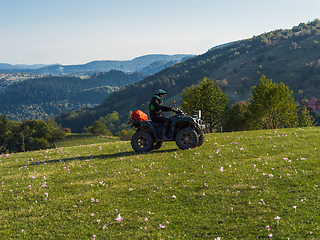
(142, 141)
(187, 138)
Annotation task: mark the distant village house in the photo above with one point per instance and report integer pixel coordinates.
(314, 105)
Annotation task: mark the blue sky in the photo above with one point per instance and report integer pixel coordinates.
(80, 31)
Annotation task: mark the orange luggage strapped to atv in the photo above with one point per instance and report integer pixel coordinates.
(139, 116)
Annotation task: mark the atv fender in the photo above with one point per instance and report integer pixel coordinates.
(145, 126)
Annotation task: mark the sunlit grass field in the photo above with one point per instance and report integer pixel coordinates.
(242, 185)
(80, 139)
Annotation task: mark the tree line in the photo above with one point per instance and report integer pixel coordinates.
(270, 106)
(28, 135)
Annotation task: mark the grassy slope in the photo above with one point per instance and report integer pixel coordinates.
(77, 139)
(88, 186)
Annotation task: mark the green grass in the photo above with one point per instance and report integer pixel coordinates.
(265, 174)
(74, 139)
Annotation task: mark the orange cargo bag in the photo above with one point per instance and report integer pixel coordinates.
(139, 116)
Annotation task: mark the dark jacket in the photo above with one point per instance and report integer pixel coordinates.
(156, 107)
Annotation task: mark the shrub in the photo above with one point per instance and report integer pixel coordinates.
(98, 129)
(126, 134)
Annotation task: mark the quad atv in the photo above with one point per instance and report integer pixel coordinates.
(187, 131)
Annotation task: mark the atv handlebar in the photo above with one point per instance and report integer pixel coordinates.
(178, 111)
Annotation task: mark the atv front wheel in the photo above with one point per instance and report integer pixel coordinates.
(142, 141)
(201, 139)
(187, 138)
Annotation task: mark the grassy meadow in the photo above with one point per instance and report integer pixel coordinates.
(77, 139)
(242, 185)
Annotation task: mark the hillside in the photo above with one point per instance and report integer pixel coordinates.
(290, 56)
(42, 97)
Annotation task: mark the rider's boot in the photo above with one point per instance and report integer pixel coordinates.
(164, 134)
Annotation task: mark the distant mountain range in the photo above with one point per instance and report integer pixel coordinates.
(7, 66)
(148, 64)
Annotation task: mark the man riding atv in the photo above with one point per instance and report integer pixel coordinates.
(156, 108)
(186, 131)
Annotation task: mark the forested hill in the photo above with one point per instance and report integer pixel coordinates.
(42, 97)
(291, 56)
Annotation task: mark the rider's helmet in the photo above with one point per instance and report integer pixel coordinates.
(158, 92)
